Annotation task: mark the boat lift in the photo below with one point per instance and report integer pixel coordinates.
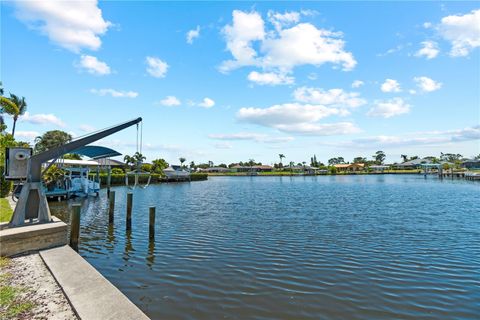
(32, 203)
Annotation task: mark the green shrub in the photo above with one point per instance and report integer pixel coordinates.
(198, 176)
(117, 171)
(5, 185)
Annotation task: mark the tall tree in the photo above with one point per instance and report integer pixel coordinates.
(359, 160)
(379, 157)
(51, 139)
(21, 108)
(182, 160)
(281, 156)
(404, 157)
(158, 165)
(337, 160)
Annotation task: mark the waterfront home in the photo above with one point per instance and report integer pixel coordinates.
(350, 167)
(379, 168)
(256, 168)
(471, 164)
(216, 170)
(304, 169)
(111, 162)
(412, 164)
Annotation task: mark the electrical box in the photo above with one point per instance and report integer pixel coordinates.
(16, 163)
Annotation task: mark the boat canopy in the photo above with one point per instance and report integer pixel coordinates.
(96, 152)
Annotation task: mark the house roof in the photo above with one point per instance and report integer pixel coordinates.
(110, 162)
(77, 162)
(347, 165)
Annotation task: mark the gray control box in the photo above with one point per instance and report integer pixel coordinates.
(16, 163)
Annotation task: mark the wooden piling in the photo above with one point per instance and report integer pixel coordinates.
(129, 210)
(111, 207)
(151, 223)
(109, 180)
(75, 226)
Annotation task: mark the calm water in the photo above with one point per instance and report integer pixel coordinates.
(340, 247)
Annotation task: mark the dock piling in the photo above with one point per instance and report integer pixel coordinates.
(111, 207)
(129, 210)
(75, 226)
(151, 223)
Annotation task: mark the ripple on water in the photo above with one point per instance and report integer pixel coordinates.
(345, 247)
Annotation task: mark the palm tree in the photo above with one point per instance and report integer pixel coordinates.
(182, 160)
(129, 160)
(281, 156)
(21, 108)
(404, 157)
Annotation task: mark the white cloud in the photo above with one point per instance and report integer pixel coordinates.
(357, 83)
(389, 108)
(270, 78)
(297, 118)
(333, 97)
(30, 135)
(223, 145)
(93, 65)
(282, 49)
(206, 103)
(193, 34)
(250, 136)
(281, 20)
(462, 31)
(426, 84)
(73, 25)
(416, 138)
(156, 67)
(170, 101)
(429, 50)
(114, 93)
(87, 128)
(390, 85)
(42, 119)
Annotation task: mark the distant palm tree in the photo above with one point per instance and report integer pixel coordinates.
(8, 107)
(291, 166)
(182, 160)
(281, 156)
(404, 157)
(21, 108)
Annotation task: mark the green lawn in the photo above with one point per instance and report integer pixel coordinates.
(5, 210)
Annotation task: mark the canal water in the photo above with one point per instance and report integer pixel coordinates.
(326, 247)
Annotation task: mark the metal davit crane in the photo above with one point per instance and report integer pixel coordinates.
(32, 203)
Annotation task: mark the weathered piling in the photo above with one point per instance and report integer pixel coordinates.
(129, 210)
(151, 223)
(111, 206)
(109, 180)
(75, 226)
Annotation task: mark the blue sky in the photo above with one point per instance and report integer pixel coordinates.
(231, 81)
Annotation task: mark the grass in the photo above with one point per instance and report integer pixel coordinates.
(12, 306)
(5, 210)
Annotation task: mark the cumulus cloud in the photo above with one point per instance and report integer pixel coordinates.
(426, 84)
(193, 34)
(297, 118)
(389, 108)
(250, 136)
(156, 67)
(114, 93)
(170, 101)
(206, 103)
(390, 85)
(288, 45)
(462, 31)
(429, 50)
(30, 135)
(42, 119)
(357, 83)
(270, 78)
(73, 25)
(333, 97)
(94, 66)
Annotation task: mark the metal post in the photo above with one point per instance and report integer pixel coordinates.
(75, 226)
(111, 207)
(151, 223)
(129, 210)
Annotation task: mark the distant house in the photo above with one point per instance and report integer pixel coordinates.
(379, 168)
(304, 169)
(111, 162)
(471, 164)
(412, 164)
(257, 168)
(350, 167)
(216, 170)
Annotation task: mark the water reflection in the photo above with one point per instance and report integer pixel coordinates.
(329, 247)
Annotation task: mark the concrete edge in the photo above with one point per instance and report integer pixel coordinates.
(90, 295)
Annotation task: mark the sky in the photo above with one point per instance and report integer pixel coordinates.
(233, 81)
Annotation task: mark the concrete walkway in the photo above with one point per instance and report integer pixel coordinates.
(90, 294)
